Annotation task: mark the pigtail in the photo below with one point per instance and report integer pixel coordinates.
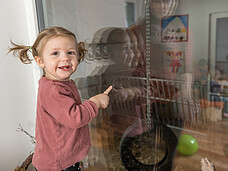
(81, 51)
(21, 52)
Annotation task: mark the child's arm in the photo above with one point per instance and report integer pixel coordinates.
(102, 100)
(59, 103)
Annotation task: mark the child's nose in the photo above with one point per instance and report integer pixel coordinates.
(130, 53)
(65, 57)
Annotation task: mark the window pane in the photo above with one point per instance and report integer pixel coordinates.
(169, 84)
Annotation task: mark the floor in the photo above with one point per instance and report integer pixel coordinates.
(106, 139)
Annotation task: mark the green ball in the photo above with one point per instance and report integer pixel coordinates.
(187, 144)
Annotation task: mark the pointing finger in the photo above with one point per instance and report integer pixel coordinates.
(108, 90)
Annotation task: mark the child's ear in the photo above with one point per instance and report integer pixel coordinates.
(39, 61)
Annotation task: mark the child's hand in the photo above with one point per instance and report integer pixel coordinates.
(102, 100)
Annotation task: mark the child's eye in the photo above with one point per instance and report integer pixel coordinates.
(125, 48)
(55, 53)
(71, 52)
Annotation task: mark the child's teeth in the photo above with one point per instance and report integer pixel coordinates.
(64, 67)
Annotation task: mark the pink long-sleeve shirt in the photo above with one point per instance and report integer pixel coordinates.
(62, 132)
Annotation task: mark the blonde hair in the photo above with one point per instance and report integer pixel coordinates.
(21, 51)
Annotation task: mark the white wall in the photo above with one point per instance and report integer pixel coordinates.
(17, 89)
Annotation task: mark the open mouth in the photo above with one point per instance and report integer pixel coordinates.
(65, 67)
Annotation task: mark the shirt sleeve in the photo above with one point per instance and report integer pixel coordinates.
(60, 104)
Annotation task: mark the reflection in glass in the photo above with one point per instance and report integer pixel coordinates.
(183, 100)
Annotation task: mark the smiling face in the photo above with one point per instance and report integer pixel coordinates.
(121, 53)
(59, 58)
(119, 48)
(134, 47)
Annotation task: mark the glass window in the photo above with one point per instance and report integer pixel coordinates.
(167, 62)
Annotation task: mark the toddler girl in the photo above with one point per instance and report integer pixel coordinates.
(62, 132)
